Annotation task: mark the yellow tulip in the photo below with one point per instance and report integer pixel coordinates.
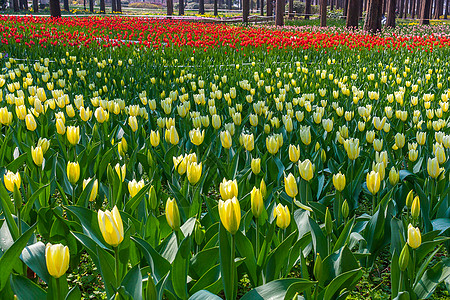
(414, 237)
(85, 113)
(399, 140)
(415, 208)
(410, 198)
(132, 122)
(290, 185)
(94, 189)
(111, 226)
(73, 134)
(339, 181)
(172, 135)
(57, 259)
(283, 216)
(12, 180)
(196, 136)
(121, 171)
(37, 155)
(306, 169)
(5, 116)
(257, 203)
(228, 189)
(154, 138)
(373, 182)
(305, 135)
(122, 147)
(230, 214)
(194, 172)
(225, 139)
(294, 153)
(272, 144)
(256, 165)
(394, 176)
(60, 126)
(173, 214)
(73, 172)
(433, 168)
(248, 141)
(135, 186)
(30, 122)
(44, 144)
(352, 148)
(101, 115)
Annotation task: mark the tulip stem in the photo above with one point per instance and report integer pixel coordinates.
(116, 252)
(233, 266)
(58, 288)
(374, 203)
(257, 238)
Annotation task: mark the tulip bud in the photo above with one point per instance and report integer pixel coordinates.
(150, 291)
(345, 209)
(57, 259)
(317, 271)
(30, 122)
(199, 233)
(37, 155)
(433, 168)
(121, 171)
(290, 185)
(194, 172)
(328, 222)
(409, 198)
(306, 169)
(394, 176)
(404, 258)
(152, 198)
(414, 237)
(256, 165)
(230, 214)
(94, 189)
(154, 138)
(73, 172)
(173, 214)
(263, 188)
(339, 181)
(415, 208)
(73, 134)
(257, 203)
(373, 182)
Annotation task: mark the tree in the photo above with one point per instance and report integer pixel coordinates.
(169, 7)
(390, 21)
(279, 18)
(102, 6)
(91, 6)
(323, 13)
(55, 9)
(201, 7)
(66, 5)
(181, 7)
(245, 10)
(269, 8)
(373, 17)
(118, 5)
(291, 9)
(35, 5)
(307, 9)
(353, 14)
(262, 7)
(216, 12)
(425, 12)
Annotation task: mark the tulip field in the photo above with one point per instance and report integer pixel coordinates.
(166, 159)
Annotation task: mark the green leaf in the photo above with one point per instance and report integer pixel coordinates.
(277, 257)
(180, 268)
(341, 282)
(432, 278)
(298, 287)
(209, 277)
(245, 249)
(226, 263)
(133, 203)
(203, 261)
(34, 257)
(11, 255)
(7, 207)
(106, 269)
(133, 283)
(345, 235)
(318, 238)
(204, 295)
(158, 264)
(29, 205)
(24, 288)
(74, 294)
(89, 223)
(273, 290)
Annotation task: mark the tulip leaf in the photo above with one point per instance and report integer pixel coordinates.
(245, 249)
(277, 257)
(318, 238)
(202, 261)
(106, 269)
(346, 280)
(133, 203)
(133, 283)
(432, 278)
(272, 290)
(204, 295)
(209, 277)
(7, 206)
(34, 257)
(11, 255)
(226, 263)
(89, 223)
(24, 288)
(180, 268)
(344, 237)
(158, 264)
(441, 224)
(74, 293)
(29, 205)
(298, 287)
(337, 263)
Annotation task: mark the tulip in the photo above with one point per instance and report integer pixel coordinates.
(257, 203)
(294, 153)
(394, 176)
(94, 189)
(57, 259)
(122, 147)
(154, 138)
(135, 186)
(433, 168)
(30, 122)
(5, 116)
(225, 139)
(248, 141)
(111, 226)
(306, 169)
(328, 222)
(272, 144)
(194, 172)
(283, 216)
(345, 209)
(197, 136)
(73, 172)
(132, 122)
(414, 237)
(339, 181)
(85, 113)
(230, 214)
(10, 179)
(37, 155)
(172, 135)
(290, 185)
(415, 208)
(256, 165)
(404, 258)
(173, 214)
(352, 148)
(228, 189)
(373, 182)
(400, 140)
(101, 115)
(60, 126)
(409, 198)
(73, 134)
(305, 135)
(121, 171)
(216, 122)
(318, 267)
(263, 188)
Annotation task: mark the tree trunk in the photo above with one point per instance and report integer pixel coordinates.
(119, 5)
(390, 21)
(400, 9)
(291, 9)
(55, 8)
(15, 5)
(437, 9)
(201, 7)
(307, 9)
(405, 9)
(229, 5)
(245, 10)
(446, 9)
(35, 5)
(66, 5)
(353, 14)
(373, 17)
(262, 7)
(113, 6)
(323, 13)
(279, 18)
(332, 5)
(269, 8)
(91, 6)
(102, 6)
(425, 12)
(345, 14)
(181, 7)
(413, 9)
(169, 7)
(216, 13)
